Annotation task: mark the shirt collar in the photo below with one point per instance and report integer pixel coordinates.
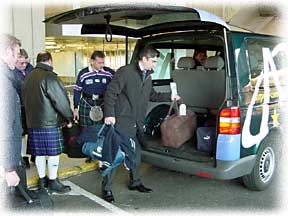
(141, 67)
(91, 69)
(45, 66)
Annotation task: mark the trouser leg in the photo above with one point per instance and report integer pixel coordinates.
(107, 180)
(21, 171)
(135, 174)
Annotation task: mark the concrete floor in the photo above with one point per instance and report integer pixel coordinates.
(174, 193)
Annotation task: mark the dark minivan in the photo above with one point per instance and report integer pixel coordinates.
(237, 94)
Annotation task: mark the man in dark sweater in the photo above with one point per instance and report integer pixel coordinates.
(125, 105)
(22, 69)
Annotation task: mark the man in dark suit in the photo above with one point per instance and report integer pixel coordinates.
(125, 105)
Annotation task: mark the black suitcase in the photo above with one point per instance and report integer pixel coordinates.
(72, 146)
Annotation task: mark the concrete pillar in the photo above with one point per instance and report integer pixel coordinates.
(25, 23)
(6, 19)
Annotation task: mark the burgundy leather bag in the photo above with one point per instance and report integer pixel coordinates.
(176, 129)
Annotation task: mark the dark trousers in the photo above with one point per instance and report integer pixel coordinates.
(134, 176)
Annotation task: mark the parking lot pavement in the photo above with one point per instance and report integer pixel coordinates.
(78, 200)
(88, 201)
(172, 192)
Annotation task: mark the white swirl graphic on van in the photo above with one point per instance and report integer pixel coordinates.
(269, 71)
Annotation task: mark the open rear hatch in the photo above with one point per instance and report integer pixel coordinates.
(143, 21)
(138, 20)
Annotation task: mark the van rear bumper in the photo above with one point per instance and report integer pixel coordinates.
(224, 170)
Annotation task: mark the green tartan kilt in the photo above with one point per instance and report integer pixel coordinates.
(84, 110)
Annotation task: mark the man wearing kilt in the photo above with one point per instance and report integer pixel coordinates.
(47, 110)
(91, 84)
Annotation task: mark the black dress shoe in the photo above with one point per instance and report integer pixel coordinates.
(56, 186)
(141, 188)
(43, 183)
(108, 196)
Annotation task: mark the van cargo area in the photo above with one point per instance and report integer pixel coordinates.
(202, 89)
(188, 150)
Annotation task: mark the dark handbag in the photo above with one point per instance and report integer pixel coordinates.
(206, 137)
(72, 147)
(176, 129)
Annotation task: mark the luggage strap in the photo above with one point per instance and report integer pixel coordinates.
(173, 104)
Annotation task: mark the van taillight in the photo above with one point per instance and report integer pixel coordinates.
(229, 121)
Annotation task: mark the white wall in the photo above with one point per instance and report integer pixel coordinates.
(24, 21)
(64, 63)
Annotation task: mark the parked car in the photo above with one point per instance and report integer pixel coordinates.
(237, 95)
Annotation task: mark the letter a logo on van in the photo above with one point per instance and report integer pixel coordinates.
(248, 139)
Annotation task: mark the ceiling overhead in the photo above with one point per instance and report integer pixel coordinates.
(254, 19)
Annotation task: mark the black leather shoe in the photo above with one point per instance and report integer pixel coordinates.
(43, 183)
(141, 188)
(108, 196)
(56, 186)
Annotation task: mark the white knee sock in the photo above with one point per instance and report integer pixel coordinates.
(53, 164)
(40, 162)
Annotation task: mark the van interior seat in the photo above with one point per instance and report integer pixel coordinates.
(186, 63)
(200, 67)
(214, 63)
(202, 90)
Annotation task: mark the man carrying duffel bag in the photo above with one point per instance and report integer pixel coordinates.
(125, 106)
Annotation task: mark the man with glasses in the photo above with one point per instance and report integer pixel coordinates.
(23, 66)
(22, 69)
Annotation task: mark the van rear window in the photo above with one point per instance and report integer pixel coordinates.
(168, 61)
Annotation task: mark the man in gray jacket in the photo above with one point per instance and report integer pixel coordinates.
(47, 110)
(125, 105)
(10, 118)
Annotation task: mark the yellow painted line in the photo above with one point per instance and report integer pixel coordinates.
(67, 172)
(32, 181)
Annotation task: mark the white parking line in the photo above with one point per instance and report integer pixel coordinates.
(96, 199)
